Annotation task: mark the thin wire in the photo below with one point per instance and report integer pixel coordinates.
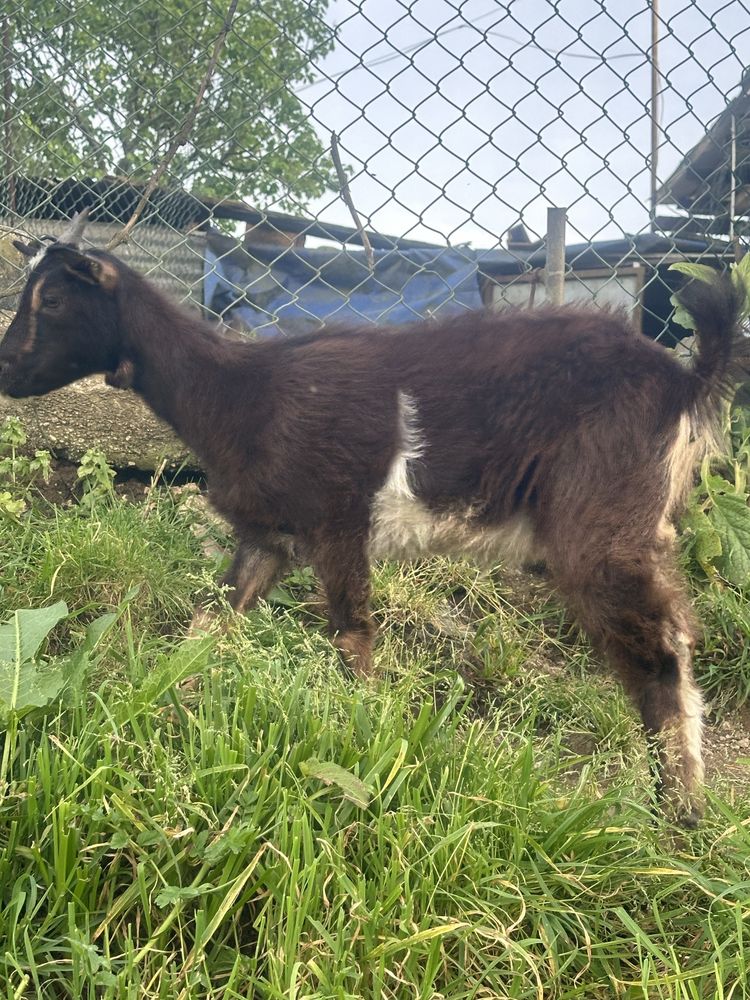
(381, 60)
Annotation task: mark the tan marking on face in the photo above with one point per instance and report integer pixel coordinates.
(36, 303)
(106, 275)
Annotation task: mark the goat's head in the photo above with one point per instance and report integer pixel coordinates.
(66, 326)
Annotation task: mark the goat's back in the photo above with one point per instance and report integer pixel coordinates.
(493, 413)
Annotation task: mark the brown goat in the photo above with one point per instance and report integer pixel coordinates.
(559, 433)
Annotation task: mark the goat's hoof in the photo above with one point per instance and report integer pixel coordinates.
(690, 820)
(688, 815)
(355, 650)
(685, 811)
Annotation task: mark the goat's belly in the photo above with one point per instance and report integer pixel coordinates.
(404, 528)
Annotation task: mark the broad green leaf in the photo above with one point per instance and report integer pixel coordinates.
(700, 271)
(353, 789)
(76, 665)
(741, 279)
(706, 542)
(236, 840)
(25, 686)
(713, 483)
(730, 516)
(22, 635)
(681, 316)
(97, 629)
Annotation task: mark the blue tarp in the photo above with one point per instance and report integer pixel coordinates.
(275, 289)
(292, 291)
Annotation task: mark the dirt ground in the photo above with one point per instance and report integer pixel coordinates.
(64, 487)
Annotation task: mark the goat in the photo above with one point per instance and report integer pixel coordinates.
(559, 433)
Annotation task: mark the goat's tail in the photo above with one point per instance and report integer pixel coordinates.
(722, 359)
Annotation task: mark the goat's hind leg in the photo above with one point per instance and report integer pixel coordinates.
(637, 614)
(259, 561)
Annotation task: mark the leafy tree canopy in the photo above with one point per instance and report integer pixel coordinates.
(95, 88)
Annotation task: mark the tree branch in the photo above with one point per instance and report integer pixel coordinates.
(346, 195)
(182, 135)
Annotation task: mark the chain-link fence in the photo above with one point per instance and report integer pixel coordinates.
(458, 123)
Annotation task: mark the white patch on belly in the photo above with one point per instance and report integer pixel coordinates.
(404, 528)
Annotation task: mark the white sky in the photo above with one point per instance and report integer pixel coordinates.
(484, 124)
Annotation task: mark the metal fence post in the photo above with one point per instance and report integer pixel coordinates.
(554, 272)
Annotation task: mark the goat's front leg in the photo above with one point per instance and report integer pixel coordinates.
(341, 563)
(259, 562)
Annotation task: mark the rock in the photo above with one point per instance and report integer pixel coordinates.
(90, 413)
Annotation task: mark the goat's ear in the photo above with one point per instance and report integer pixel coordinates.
(93, 271)
(27, 249)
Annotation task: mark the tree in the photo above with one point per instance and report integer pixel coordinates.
(93, 88)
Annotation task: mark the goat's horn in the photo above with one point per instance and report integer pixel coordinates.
(27, 249)
(75, 229)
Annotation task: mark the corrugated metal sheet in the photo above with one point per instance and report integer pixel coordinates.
(171, 259)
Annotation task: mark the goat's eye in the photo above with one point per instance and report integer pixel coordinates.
(51, 302)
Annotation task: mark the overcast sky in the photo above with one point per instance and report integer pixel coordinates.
(496, 110)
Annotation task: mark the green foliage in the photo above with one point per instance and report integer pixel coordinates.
(234, 816)
(329, 773)
(18, 471)
(10, 507)
(96, 476)
(285, 832)
(716, 543)
(23, 685)
(717, 529)
(144, 64)
(723, 658)
(740, 273)
(716, 525)
(28, 682)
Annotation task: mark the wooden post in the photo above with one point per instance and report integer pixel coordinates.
(554, 272)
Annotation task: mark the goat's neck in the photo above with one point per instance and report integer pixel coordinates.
(180, 366)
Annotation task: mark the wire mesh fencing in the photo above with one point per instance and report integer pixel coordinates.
(456, 123)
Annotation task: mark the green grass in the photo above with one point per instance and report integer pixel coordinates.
(163, 833)
(723, 662)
